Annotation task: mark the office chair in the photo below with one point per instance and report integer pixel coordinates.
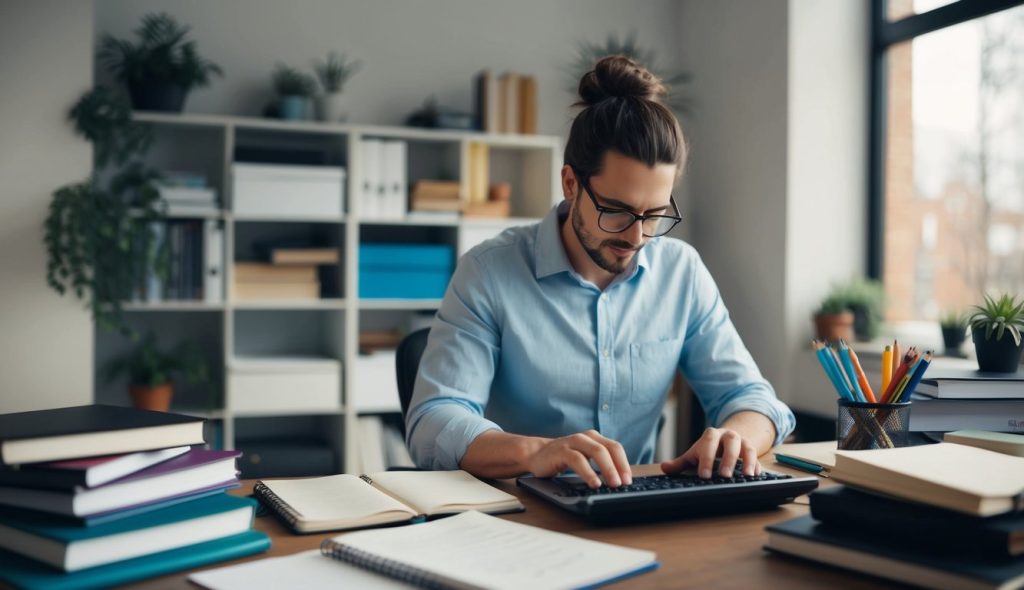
(407, 364)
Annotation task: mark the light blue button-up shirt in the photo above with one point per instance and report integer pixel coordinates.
(522, 343)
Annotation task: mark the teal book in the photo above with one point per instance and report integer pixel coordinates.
(73, 548)
(24, 573)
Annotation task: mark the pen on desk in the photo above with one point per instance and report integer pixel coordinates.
(847, 364)
(886, 369)
(922, 366)
(865, 387)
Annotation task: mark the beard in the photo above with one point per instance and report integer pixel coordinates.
(595, 249)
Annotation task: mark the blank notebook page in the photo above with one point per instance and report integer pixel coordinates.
(430, 491)
(333, 498)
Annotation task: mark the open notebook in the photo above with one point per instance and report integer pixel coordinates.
(339, 502)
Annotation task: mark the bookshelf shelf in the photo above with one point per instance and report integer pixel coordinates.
(327, 328)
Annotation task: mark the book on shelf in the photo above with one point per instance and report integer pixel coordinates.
(527, 105)
(23, 572)
(961, 384)
(931, 414)
(487, 102)
(213, 261)
(474, 550)
(72, 548)
(194, 472)
(861, 551)
(261, 272)
(85, 473)
(256, 290)
(478, 172)
(91, 431)
(508, 102)
(815, 457)
(918, 524)
(946, 475)
(1000, 442)
(313, 505)
(316, 256)
(395, 194)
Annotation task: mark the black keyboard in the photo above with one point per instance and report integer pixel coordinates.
(662, 497)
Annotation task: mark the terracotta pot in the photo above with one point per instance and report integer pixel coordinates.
(152, 398)
(832, 327)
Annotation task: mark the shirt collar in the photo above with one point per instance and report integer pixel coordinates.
(549, 256)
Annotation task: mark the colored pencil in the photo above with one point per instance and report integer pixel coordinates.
(900, 372)
(895, 358)
(865, 387)
(847, 364)
(886, 368)
(922, 366)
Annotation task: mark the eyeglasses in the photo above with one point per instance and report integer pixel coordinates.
(616, 221)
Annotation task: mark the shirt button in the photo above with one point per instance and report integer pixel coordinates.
(604, 353)
(604, 407)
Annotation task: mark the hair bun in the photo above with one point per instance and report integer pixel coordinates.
(618, 76)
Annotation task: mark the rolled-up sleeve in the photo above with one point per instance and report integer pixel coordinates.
(719, 367)
(456, 372)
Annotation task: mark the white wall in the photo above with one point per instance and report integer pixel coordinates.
(778, 175)
(45, 64)
(410, 49)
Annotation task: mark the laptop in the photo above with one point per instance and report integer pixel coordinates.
(663, 497)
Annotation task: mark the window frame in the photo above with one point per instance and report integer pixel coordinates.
(885, 34)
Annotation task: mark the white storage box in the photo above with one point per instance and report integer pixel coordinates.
(278, 190)
(284, 384)
(376, 386)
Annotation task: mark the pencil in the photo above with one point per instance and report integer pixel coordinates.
(900, 372)
(837, 383)
(895, 358)
(862, 378)
(922, 366)
(886, 368)
(851, 372)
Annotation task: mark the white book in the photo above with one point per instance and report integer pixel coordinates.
(395, 173)
(371, 185)
(474, 550)
(213, 262)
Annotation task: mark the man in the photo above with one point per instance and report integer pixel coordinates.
(556, 343)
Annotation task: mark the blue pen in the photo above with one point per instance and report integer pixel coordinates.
(922, 366)
(836, 381)
(844, 354)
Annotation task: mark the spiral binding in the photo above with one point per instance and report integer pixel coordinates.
(388, 567)
(275, 503)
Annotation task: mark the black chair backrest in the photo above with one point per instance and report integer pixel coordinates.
(407, 364)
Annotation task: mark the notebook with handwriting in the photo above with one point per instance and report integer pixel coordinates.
(339, 502)
(474, 550)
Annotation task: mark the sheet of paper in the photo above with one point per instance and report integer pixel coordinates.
(427, 491)
(308, 569)
(332, 498)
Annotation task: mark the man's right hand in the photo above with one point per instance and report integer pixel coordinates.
(576, 452)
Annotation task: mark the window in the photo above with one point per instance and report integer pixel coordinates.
(947, 180)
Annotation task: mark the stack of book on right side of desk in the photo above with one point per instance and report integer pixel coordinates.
(937, 516)
(94, 496)
(948, 400)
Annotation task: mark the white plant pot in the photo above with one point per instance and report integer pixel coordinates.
(330, 107)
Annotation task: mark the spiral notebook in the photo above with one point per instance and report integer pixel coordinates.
(339, 502)
(474, 550)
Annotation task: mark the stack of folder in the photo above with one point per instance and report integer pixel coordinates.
(93, 496)
(938, 516)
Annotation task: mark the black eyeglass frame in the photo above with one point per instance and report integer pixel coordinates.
(601, 210)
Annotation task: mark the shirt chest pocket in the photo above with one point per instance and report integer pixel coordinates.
(652, 366)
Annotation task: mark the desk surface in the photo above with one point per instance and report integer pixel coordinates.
(713, 552)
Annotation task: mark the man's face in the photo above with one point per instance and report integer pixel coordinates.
(624, 183)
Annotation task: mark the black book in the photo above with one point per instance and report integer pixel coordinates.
(918, 524)
(873, 553)
(91, 431)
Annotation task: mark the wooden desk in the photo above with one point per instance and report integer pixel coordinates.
(714, 552)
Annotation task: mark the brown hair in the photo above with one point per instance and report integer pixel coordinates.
(622, 112)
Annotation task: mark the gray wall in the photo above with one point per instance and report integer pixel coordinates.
(410, 49)
(45, 63)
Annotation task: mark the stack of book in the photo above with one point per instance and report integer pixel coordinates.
(506, 103)
(938, 516)
(289, 273)
(948, 400)
(93, 496)
(436, 196)
(187, 195)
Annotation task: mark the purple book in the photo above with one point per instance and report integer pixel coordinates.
(196, 471)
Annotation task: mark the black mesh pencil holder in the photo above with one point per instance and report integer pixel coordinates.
(861, 426)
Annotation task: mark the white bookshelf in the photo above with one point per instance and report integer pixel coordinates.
(327, 327)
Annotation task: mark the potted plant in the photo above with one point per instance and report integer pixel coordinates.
(162, 67)
(333, 72)
(833, 320)
(866, 299)
(954, 332)
(293, 90)
(99, 239)
(150, 369)
(995, 329)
